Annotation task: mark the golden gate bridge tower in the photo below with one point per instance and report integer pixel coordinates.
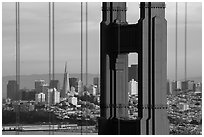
(149, 39)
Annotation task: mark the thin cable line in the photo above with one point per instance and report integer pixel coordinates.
(53, 55)
(53, 41)
(49, 58)
(49, 42)
(86, 43)
(17, 66)
(16, 61)
(176, 44)
(86, 50)
(81, 55)
(185, 43)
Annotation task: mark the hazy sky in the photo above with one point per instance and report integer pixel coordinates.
(34, 37)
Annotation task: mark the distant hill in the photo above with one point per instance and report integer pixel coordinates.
(195, 79)
(27, 81)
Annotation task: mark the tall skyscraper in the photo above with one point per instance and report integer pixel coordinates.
(80, 88)
(55, 84)
(133, 72)
(12, 90)
(66, 86)
(73, 82)
(52, 97)
(56, 96)
(96, 81)
(39, 85)
(49, 97)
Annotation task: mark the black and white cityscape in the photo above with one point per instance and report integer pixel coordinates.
(74, 105)
(55, 79)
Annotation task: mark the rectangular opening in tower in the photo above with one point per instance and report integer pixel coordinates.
(132, 86)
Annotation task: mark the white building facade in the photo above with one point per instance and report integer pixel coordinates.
(133, 87)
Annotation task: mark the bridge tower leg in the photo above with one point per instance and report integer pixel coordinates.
(149, 39)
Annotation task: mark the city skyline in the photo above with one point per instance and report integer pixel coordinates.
(157, 97)
(34, 19)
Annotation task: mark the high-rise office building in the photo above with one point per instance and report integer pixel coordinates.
(53, 96)
(184, 85)
(198, 86)
(133, 72)
(56, 96)
(80, 88)
(66, 86)
(133, 87)
(191, 85)
(39, 98)
(92, 90)
(24, 94)
(39, 85)
(55, 84)
(73, 82)
(179, 85)
(12, 90)
(168, 87)
(49, 97)
(172, 87)
(96, 81)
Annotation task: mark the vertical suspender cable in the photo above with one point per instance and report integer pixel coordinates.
(81, 55)
(53, 56)
(86, 49)
(17, 95)
(176, 43)
(81, 41)
(49, 57)
(86, 43)
(53, 43)
(49, 42)
(185, 44)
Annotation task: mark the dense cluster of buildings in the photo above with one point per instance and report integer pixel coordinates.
(184, 107)
(184, 99)
(177, 87)
(50, 94)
